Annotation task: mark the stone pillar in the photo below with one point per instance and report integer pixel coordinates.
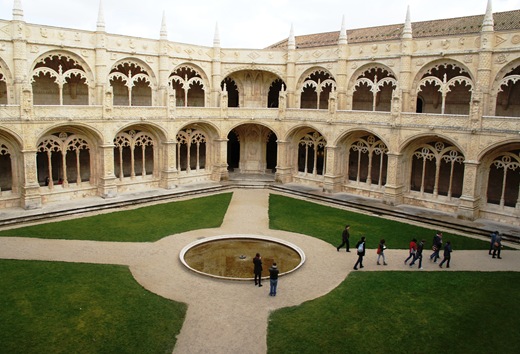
(169, 175)
(164, 73)
(19, 59)
(283, 169)
(101, 68)
(394, 180)
(470, 199)
(107, 187)
(216, 77)
(220, 171)
(332, 177)
(31, 198)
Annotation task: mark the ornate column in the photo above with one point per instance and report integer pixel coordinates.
(18, 35)
(107, 187)
(470, 198)
(169, 175)
(332, 177)
(101, 59)
(394, 180)
(216, 77)
(283, 169)
(164, 65)
(30, 189)
(220, 171)
(485, 65)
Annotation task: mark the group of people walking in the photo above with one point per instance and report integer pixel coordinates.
(273, 274)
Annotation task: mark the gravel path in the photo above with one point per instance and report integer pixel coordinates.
(232, 316)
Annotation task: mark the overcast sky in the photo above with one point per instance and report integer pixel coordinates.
(241, 23)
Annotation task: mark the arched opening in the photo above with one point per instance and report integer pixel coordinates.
(188, 86)
(316, 90)
(131, 85)
(508, 103)
(232, 90)
(274, 93)
(233, 151)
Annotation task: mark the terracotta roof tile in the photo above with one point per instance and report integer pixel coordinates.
(504, 21)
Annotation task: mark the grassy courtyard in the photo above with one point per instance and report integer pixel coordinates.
(86, 308)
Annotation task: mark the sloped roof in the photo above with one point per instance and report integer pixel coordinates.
(504, 21)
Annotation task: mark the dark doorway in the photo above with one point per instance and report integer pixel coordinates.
(233, 151)
(272, 153)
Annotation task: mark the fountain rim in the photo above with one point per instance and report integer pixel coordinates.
(189, 246)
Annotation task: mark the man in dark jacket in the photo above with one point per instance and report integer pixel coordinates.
(418, 254)
(345, 238)
(273, 278)
(257, 261)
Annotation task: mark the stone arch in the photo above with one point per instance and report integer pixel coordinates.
(500, 175)
(444, 87)
(191, 85)
(6, 83)
(505, 88)
(253, 87)
(434, 166)
(66, 155)
(371, 88)
(362, 158)
(314, 88)
(252, 148)
(194, 145)
(133, 83)
(307, 152)
(11, 166)
(137, 152)
(61, 78)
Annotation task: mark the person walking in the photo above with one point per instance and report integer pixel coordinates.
(412, 249)
(492, 242)
(437, 244)
(257, 261)
(360, 252)
(381, 251)
(345, 236)
(447, 255)
(418, 254)
(273, 278)
(497, 246)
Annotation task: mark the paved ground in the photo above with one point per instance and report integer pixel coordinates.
(232, 316)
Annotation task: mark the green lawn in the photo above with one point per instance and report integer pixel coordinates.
(52, 307)
(327, 224)
(405, 312)
(146, 224)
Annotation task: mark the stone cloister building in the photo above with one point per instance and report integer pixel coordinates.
(424, 114)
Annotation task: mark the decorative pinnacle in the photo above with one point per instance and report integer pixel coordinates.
(164, 29)
(343, 32)
(291, 43)
(488, 24)
(100, 25)
(17, 10)
(407, 30)
(216, 37)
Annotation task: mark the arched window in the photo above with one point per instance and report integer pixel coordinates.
(59, 80)
(311, 154)
(189, 87)
(230, 86)
(446, 89)
(316, 89)
(508, 103)
(367, 161)
(191, 150)
(131, 85)
(274, 93)
(63, 158)
(437, 168)
(3, 87)
(504, 180)
(373, 90)
(6, 170)
(133, 153)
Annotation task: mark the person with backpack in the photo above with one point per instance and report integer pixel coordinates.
(497, 246)
(492, 243)
(381, 251)
(437, 244)
(418, 254)
(413, 249)
(360, 252)
(447, 255)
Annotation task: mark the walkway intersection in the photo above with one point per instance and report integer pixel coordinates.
(232, 316)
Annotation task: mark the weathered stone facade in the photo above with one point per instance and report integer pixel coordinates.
(424, 114)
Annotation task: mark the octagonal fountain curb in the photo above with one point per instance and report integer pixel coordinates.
(240, 236)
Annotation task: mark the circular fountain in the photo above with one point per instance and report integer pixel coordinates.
(231, 256)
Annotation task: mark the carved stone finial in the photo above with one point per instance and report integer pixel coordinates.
(291, 44)
(488, 24)
(343, 32)
(17, 10)
(100, 25)
(407, 30)
(216, 38)
(164, 29)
